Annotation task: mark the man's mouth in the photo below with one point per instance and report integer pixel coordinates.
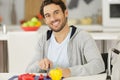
(55, 23)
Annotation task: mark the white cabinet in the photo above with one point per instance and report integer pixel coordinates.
(21, 49)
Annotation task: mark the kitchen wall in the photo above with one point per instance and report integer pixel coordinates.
(83, 9)
(6, 10)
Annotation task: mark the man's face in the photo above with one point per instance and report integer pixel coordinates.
(54, 17)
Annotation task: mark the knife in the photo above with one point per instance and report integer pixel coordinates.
(47, 71)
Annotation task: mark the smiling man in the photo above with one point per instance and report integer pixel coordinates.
(67, 47)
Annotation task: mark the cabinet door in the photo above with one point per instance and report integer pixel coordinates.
(32, 8)
(3, 56)
(19, 55)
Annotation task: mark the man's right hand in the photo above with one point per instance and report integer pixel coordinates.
(45, 64)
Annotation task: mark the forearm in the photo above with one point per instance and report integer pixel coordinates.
(93, 67)
(33, 68)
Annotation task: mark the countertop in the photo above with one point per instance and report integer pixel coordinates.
(96, 34)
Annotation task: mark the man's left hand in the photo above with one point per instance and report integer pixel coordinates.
(66, 72)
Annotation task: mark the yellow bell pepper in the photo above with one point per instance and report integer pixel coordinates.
(55, 74)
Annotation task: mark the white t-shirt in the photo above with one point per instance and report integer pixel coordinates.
(57, 52)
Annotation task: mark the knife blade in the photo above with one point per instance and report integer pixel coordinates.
(48, 69)
(47, 72)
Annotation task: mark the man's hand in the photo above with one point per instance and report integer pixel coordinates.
(66, 72)
(45, 64)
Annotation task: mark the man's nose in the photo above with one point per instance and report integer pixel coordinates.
(52, 18)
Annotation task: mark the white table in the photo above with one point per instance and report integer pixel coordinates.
(93, 77)
(105, 35)
(6, 76)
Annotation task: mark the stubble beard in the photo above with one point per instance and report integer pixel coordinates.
(61, 27)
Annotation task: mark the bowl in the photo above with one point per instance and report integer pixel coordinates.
(31, 28)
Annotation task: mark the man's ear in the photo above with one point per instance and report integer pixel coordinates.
(45, 21)
(66, 13)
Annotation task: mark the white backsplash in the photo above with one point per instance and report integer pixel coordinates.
(84, 9)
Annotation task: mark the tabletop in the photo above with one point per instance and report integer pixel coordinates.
(6, 76)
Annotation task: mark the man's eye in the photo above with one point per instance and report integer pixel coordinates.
(56, 12)
(46, 16)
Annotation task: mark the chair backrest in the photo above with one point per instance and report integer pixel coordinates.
(116, 69)
(116, 63)
(21, 47)
(105, 59)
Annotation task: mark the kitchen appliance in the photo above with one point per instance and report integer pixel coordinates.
(111, 13)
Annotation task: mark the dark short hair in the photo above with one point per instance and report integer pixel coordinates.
(47, 2)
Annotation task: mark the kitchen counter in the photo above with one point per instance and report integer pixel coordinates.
(3, 37)
(96, 35)
(17, 30)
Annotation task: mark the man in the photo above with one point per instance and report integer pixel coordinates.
(67, 47)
